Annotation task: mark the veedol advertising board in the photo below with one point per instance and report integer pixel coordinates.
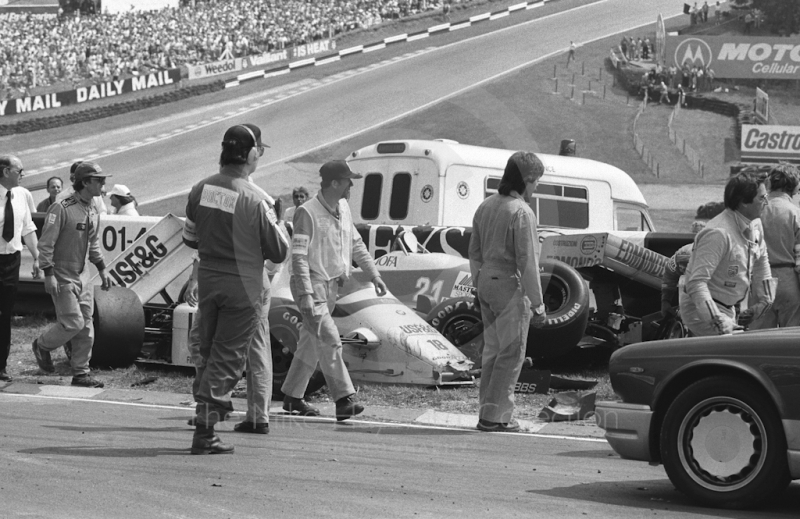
(216, 67)
(762, 143)
(299, 51)
(89, 93)
(738, 56)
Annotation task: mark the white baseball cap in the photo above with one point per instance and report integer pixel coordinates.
(119, 190)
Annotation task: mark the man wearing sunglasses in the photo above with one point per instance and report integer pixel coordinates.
(17, 225)
(69, 238)
(232, 224)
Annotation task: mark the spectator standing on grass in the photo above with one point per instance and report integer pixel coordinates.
(705, 12)
(571, 52)
(729, 259)
(300, 196)
(69, 241)
(17, 228)
(54, 186)
(664, 91)
(623, 46)
(123, 201)
(715, 10)
(646, 48)
(781, 221)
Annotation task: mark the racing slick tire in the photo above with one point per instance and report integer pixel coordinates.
(566, 299)
(723, 444)
(459, 321)
(285, 323)
(118, 327)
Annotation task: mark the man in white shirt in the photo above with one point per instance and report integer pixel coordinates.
(16, 224)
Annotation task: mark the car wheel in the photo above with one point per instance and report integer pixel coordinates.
(459, 321)
(722, 443)
(118, 327)
(285, 323)
(566, 299)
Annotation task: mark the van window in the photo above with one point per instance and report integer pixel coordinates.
(371, 201)
(401, 194)
(492, 183)
(631, 219)
(561, 206)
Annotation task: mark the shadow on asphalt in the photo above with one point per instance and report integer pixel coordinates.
(400, 431)
(103, 452)
(602, 454)
(654, 495)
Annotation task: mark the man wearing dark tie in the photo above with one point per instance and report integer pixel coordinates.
(17, 225)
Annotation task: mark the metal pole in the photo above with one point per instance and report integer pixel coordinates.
(554, 70)
(658, 169)
(583, 68)
(604, 91)
(572, 93)
(590, 84)
(600, 76)
(556, 90)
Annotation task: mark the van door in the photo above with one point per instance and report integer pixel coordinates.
(395, 191)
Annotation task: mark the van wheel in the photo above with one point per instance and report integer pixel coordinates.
(118, 327)
(459, 321)
(566, 298)
(285, 323)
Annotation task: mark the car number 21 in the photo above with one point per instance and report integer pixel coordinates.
(425, 287)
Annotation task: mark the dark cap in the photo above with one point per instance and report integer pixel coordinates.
(244, 136)
(336, 170)
(89, 170)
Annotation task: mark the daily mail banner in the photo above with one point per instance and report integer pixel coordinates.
(90, 93)
(217, 67)
(762, 143)
(738, 56)
(299, 51)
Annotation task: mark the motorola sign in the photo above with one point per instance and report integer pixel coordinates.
(737, 56)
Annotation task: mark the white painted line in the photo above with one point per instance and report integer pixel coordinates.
(499, 15)
(460, 26)
(517, 7)
(399, 37)
(534, 6)
(281, 414)
(418, 36)
(374, 48)
(478, 18)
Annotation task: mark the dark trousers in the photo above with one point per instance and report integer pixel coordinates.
(9, 279)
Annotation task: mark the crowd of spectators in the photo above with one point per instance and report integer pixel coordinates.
(37, 50)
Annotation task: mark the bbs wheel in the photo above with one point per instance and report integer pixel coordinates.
(285, 323)
(722, 443)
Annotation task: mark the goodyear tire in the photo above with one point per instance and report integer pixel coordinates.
(285, 323)
(723, 443)
(118, 327)
(459, 320)
(566, 298)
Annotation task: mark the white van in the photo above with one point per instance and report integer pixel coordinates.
(442, 182)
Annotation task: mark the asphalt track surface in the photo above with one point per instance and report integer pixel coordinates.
(71, 458)
(165, 156)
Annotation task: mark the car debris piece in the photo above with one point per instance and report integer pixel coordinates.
(569, 406)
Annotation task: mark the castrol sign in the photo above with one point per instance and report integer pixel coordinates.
(763, 143)
(737, 56)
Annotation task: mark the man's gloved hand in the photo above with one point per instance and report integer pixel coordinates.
(667, 310)
(746, 317)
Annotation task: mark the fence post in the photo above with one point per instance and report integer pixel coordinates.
(572, 92)
(604, 90)
(554, 71)
(590, 84)
(583, 68)
(573, 78)
(600, 75)
(556, 90)
(658, 170)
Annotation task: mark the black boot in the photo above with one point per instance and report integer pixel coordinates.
(346, 407)
(206, 441)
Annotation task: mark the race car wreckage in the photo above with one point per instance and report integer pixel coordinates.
(425, 331)
(601, 289)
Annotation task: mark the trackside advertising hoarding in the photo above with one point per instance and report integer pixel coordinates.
(299, 51)
(89, 93)
(763, 143)
(738, 56)
(216, 67)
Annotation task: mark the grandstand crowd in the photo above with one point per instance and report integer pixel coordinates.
(38, 51)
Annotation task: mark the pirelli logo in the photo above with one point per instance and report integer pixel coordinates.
(220, 198)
